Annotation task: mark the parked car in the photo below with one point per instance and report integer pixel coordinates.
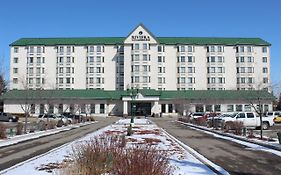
(217, 121)
(196, 115)
(277, 119)
(46, 117)
(65, 119)
(273, 114)
(7, 117)
(249, 120)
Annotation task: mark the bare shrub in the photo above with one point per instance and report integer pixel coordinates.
(184, 119)
(235, 126)
(60, 123)
(52, 124)
(19, 128)
(3, 134)
(201, 121)
(106, 155)
(42, 126)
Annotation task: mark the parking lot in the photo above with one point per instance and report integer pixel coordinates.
(271, 132)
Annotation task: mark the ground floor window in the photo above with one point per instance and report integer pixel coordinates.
(60, 108)
(217, 108)
(32, 108)
(209, 108)
(102, 108)
(247, 108)
(199, 108)
(230, 108)
(41, 111)
(92, 108)
(239, 108)
(71, 108)
(265, 107)
(83, 110)
(170, 108)
(51, 108)
(163, 108)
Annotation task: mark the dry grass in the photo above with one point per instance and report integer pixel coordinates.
(236, 127)
(3, 134)
(19, 128)
(107, 155)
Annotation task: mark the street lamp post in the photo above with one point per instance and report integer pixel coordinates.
(133, 94)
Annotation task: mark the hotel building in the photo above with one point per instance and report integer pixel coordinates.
(157, 66)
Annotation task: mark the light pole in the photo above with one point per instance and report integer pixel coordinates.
(133, 95)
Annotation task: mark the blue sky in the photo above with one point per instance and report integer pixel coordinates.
(75, 18)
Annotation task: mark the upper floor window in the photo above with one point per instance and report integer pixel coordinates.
(264, 49)
(220, 49)
(61, 49)
(144, 46)
(31, 49)
(264, 59)
(15, 80)
(249, 49)
(189, 48)
(16, 59)
(39, 50)
(68, 49)
(136, 46)
(99, 48)
(242, 49)
(161, 48)
(265, 70)
(16, 49)
(91, 49)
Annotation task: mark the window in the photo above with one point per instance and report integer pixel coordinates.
(189, 48)
(90, 59)
(161, 49)
(61, 80)
(249, 49)
(264, 70)
(98, 48)
(31, 70)
(182, 48)
(67, 70)
(61, 49)
(91, 80)
(230, 108)
(38, 49)
(91, 48)
(221, 80)
(264, 49)
(239, 108)
(37, 80)
(31, 49)
(212, 48)
(242, 59)
(217, 108)
(15, 70)
(189, 59)
(92, 108)
(264, 59)
(15, 80)
(30, 81)
(68, 49)
(38, 60)
(16, 49)
(250, 70)
(137, 79)
(250, 59)
(190, 80)
(61, 70)
(211, 69)
(102, 108)
(220, 48)
(247, 108)
(190, 69)
(144, 57)
(250, 80)
(182, 59)
(220, 69)
(242, 49)
(144, 46)
(31, 60)
(68, 59)
(265, 80)
(136, 57)
(137, 46)
(67, 80)
(220, 59)
(145, 79)
(16, 59)
(38, 70)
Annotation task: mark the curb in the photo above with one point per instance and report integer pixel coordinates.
(231, 136)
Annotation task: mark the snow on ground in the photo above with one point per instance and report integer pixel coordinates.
(251, 146)
(37, 134)
(183, 161)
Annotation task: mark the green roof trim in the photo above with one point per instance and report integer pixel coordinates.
(97, 94)
(120, 40)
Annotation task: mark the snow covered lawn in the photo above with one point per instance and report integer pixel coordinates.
(38, 134)
(145, 132)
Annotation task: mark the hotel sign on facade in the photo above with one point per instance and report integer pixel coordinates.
(140, 37)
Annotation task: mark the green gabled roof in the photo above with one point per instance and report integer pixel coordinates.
(118, 94)
(120, 40)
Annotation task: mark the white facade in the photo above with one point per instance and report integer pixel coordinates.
(140, 61)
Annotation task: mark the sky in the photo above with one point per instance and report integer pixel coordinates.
(190, 18)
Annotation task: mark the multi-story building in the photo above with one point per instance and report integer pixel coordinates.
(140, 60)
(143, 61)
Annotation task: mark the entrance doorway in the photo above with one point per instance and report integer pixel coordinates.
(141, 108)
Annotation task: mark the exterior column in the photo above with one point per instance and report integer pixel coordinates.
(174, 108)
(105, 108)
(204, 108)
(156, 109)
(166, 108)
(125, 109)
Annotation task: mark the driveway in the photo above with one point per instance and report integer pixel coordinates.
(234, 158)
(14, 154)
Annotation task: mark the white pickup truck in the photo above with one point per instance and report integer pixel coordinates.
(249, 120)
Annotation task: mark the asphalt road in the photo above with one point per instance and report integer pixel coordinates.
(14, 154)
(234, 158)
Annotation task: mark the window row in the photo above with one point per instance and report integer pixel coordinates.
(67, 70)
(32, 49)
(143, 46)
(67, 80)
(183, 80)
(245, 80)
(186, 69)
(95, 80)
(215, 69)
(188, 59)
(65, 59)
(137, 57)
(97, 48)
(215, 49)
(32, 60)
(245, 69)
(95, 69)
(138, 79)
(214, 80)
(213, 59)
(67, 49)
(144, 68)
(248, 49)
(39, 70)
(98, 59)
(38, 81)
(161, 80)
(244, 59)
(184, 48)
